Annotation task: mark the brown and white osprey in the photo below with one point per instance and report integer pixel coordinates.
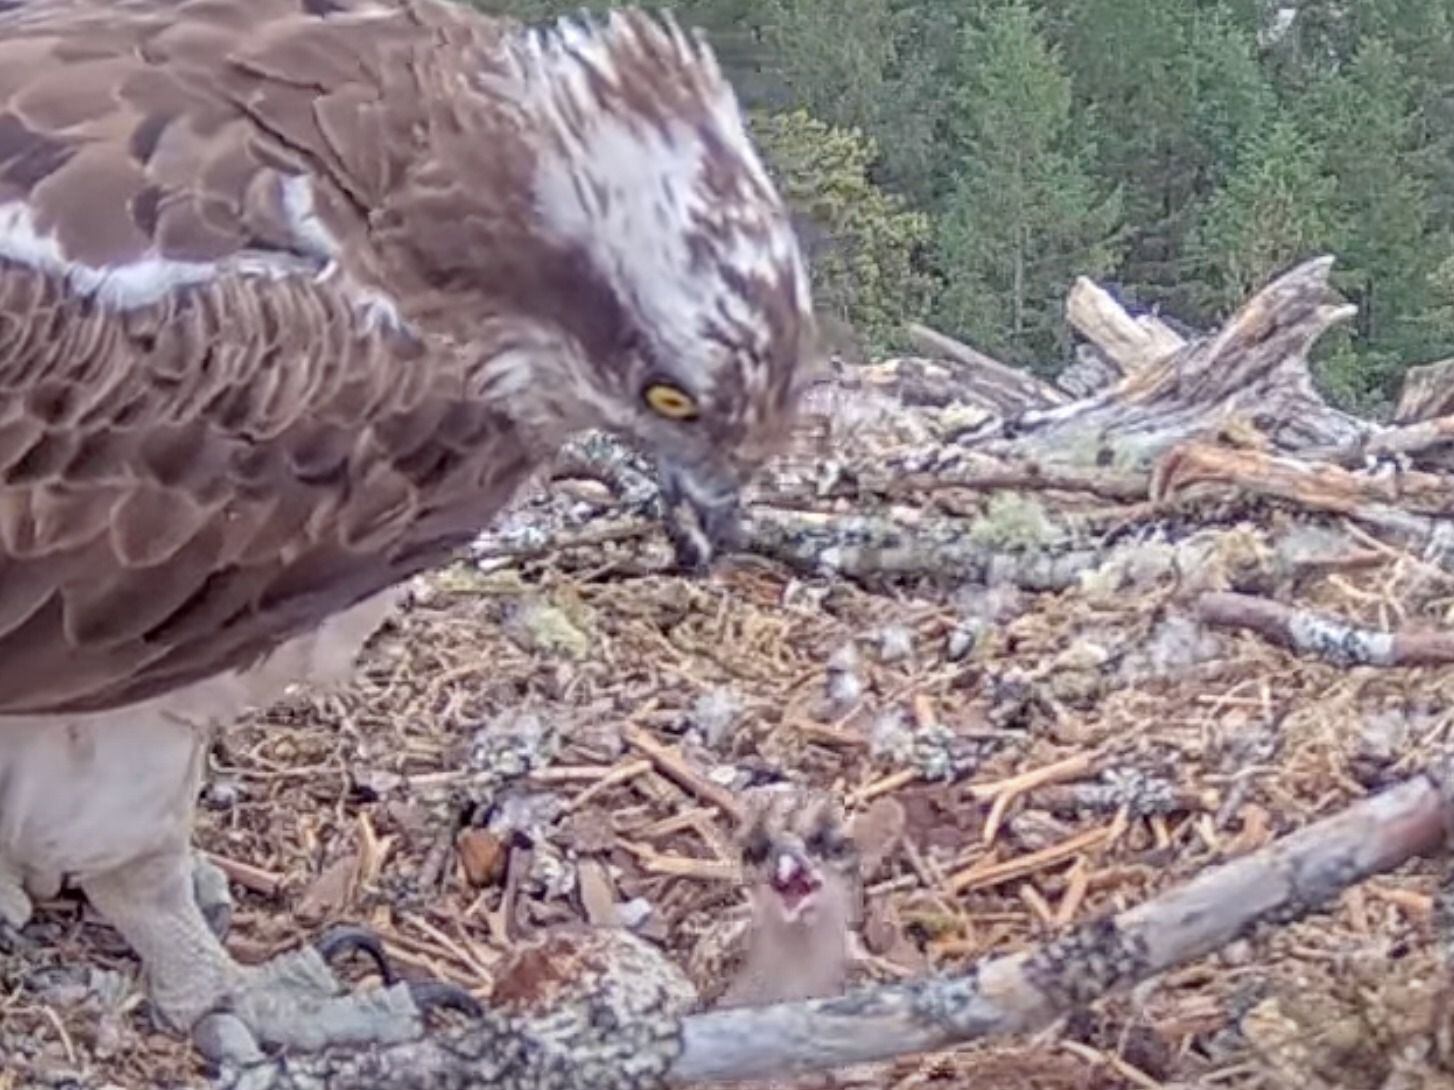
(293, 294)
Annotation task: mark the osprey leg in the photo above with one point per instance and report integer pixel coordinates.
(292, 1001)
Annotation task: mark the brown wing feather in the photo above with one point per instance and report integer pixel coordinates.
(185, 483)
(157, 537)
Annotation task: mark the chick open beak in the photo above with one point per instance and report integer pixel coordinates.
(795, 881)
(702, 511)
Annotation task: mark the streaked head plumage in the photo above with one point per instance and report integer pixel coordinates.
(644, 169)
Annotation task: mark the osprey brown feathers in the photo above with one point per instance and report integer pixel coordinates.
(293, 293)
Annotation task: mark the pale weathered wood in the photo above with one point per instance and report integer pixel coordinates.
(1409, 505)
(1252, 372)
(1428, 391)
(986, 380)
(1131, 343)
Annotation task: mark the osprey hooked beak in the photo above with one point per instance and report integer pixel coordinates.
(701, 508)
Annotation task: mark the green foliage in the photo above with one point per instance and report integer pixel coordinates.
(1277, 206)
(1174, 91)
(1024, 216)
(862, 241)
(967, 158)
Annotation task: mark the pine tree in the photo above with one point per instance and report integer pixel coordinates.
(1025, 215)
(863, 244)
(1175, 88)
(1276, 207)
(1364, 123)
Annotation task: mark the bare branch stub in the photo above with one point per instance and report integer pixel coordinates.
(1130, 343)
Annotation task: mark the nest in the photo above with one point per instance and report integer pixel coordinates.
(558, 730)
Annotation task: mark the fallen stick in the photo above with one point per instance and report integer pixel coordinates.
(1322, 636)
(1003, 995)
(986, 380)
(1410, 507)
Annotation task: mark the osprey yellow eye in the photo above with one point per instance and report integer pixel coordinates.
(671, 402)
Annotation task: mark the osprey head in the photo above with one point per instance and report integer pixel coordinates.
(688, 298)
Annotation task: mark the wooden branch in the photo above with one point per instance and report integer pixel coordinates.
(1131, 343)
(1324, 637)
(1090, 371)
(1406, 504)
(1254, 370)
(1022, 477)
(987, 381)
(861, 545)
(1011, 994)
(1428, 391)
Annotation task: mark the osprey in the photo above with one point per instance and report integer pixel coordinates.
(293, 295)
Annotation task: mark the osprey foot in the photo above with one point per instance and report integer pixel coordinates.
(214, 898)
(295, 1003)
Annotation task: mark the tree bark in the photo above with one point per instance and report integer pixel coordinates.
(987, 381)
(1252, 373)
(1130, 343)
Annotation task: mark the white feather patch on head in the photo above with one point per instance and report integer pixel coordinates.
(630, 188)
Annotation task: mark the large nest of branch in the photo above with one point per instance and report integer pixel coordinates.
(556, 730)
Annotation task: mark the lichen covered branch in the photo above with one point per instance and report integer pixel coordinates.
(1324, 637)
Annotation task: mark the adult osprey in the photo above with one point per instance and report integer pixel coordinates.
(293, 294)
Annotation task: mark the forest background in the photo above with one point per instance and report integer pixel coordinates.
(960, 162)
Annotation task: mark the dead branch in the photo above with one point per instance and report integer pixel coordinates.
(1407, 505)
(1003, 995)
(1254, 369)
(1130, 343)
(864, 545)
(1428, 391)
(1420, 438)
(1325, 637)
(1024, 477)
(1091, 370)
(987, 381)
(904, 473)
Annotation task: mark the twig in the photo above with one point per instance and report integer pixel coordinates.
(671, 765)
(249, 877)
(1325, 637)
(1006, 791)
(992, 874)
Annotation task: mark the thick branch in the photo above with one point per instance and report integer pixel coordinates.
(1254, 369)
(861, 545)
(1428, 391)
(1325, 637)
(1131, 343)
(1003, 995)
(984, 380)
(1406, 504)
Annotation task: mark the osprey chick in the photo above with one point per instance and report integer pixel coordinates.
(293, 295)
